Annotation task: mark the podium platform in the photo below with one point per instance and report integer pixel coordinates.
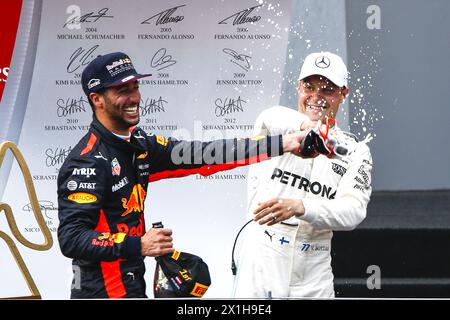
(405, 234)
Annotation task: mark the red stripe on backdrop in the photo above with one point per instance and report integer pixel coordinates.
(9, 23)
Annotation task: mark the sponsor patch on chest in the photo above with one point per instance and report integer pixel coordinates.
(115, 166)
(296, 181)
(119, 185)
(337, 168)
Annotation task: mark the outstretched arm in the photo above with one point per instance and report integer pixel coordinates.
(173, 158)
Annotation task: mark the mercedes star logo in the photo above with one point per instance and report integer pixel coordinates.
(322, 62)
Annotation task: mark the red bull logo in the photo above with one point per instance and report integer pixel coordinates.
(106, 239)
(132, 231)
(105, 236)
(116, 237)
(136, 201)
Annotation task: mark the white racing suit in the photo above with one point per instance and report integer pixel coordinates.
(294, 260)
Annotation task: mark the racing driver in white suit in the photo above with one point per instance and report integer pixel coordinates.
(297, 202)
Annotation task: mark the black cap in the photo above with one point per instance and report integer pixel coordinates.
(180, 275)
(108, 70)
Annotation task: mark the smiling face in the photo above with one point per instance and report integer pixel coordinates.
(117, 108)
(319, 98)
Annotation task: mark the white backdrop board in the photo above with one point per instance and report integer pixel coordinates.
(216, 65)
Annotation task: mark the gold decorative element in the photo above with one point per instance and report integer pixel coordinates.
(48, 240)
